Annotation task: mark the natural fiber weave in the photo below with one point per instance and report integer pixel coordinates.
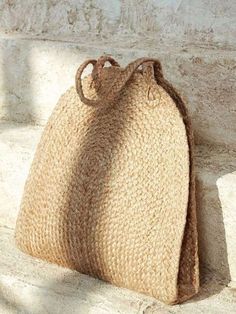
(111, 189)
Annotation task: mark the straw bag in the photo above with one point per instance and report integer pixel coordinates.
(111, 190)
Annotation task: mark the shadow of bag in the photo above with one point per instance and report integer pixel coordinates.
(111, 191)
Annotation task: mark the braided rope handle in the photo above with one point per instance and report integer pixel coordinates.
(118, 83)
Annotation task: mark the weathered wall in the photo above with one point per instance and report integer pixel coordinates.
(186, 21)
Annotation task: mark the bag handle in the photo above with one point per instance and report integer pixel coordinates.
(118, 83)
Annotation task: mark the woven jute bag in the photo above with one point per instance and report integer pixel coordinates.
(111, 190)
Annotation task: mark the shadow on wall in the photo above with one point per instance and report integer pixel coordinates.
(212, 241)
(216, 222)
(227, 194)
(216, 199)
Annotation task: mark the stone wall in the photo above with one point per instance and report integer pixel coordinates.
(209, 23)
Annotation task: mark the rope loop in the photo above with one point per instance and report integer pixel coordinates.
(119, 82)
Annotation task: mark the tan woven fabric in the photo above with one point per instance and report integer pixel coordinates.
(111, 189)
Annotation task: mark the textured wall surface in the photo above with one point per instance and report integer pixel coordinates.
(189, 21)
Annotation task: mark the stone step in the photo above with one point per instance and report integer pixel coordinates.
(216, 182)
(29, 285)
(35, 72)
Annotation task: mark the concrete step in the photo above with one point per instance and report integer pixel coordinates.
(35, 72)
(216, 182)
(28, 285)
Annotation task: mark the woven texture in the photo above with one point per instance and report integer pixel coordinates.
(111, 189)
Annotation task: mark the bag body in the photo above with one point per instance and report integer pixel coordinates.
(111, 189)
